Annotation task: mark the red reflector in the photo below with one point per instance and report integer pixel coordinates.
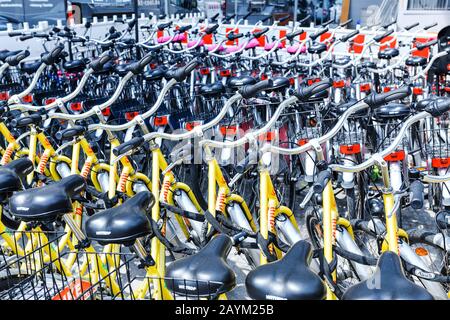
(230, 130)
(153, 65)
(395, 156)
(364, 87)
(447, 89)
(417, 91)
(311, 81)
(292, 81)
(448, 67)
(107, 112)
(350, 149)
(28, 98)
(386, 89)
(269, 136)
(49, 101)
(129, 115)
(302, 142)
(339, 84)
(4, 96)
(204, 71)
(440, 162)
(264, 77)
(160, 121)
(191, 125)
(225, 73)
(76, 106)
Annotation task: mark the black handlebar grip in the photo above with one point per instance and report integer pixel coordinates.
(266, 19)
(382, 36)
(51, 57)
(214, 17)
(283, 19)
(322, 179)
(233, 36)
(230, 17)
(41, 35)
(260, 33)
(430, 26)
(416, 196)
(306, 92)
(131, 24)
(77, 40)
(97, 64)
(314, 36)
(438, 107)
(115, 35)
(349, 36)
(327, 23)
(345, 23)
(162, 16)
(212, 29)
(247, 15)
(15, 60)
(27, 37)
(407, 28)
(131, 144)
(292, 35)
(304, 19)
(14, 33)
(70, 133)
(378, 99)
(389, 24)
(182, 73)
(421, 46)
(185, 28)
(250, 91)
(26, 121)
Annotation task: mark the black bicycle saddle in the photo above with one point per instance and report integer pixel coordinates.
(387, 283)
(288, 278)
(48, 202)
(122, 224)
(205, 273)
(12, 175)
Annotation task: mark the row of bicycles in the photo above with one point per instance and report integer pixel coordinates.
(132, 169)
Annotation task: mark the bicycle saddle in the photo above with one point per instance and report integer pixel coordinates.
(288, 278)
(30, 67)
(317, 48)
(48, 202)
(212, 89)
(416, 61)
(392, 111)
(387, 283)
(6, 53)
(75, 65)
(342, 61)
(339, 108)
(122, 224)
(240, 81)
(205, 273)
(123, 68)
(279, 84)
(388, 53)
(12, 175)
(155, 74)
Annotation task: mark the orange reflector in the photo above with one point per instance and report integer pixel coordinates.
(386, 89)
(49, 101)
(28, 98)
(417, 91)
(76, 106)
(191, 125)
(4, 96)
(350, 149)
(204, 71)
(129, 115)
(107, 112)
(269, 136)
(421, 252)
(365, 87)
(302, 142)
(225, 73)
(440, 162)
(160, 121)
(339, 84)
(230, 130)
(395, 156)
(292, 81)
(311, 81)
